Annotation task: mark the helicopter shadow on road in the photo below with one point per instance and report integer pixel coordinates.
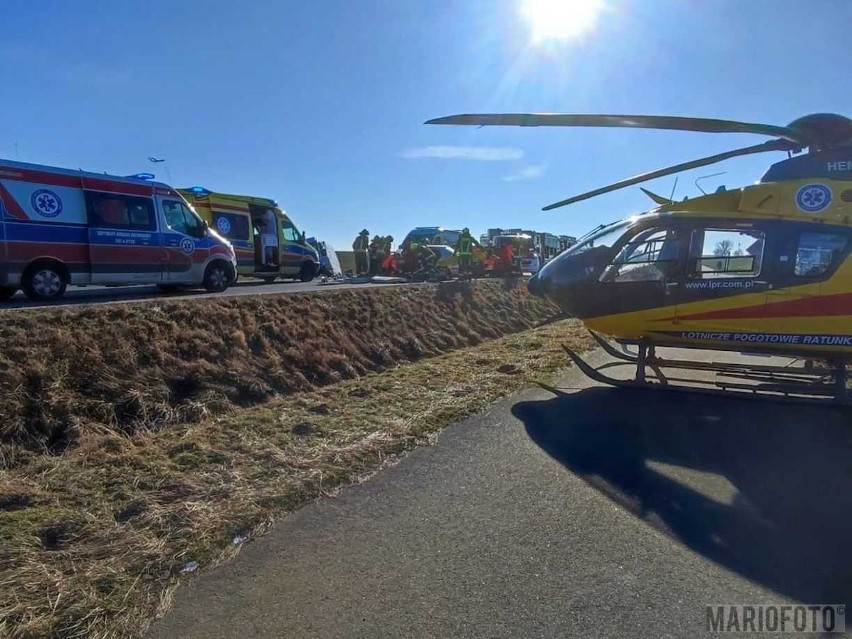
(788, 522)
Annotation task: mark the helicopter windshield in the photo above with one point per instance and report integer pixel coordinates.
(604, 237)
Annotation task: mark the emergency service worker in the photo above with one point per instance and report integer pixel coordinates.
(361, 247)
(377, 254)
(427, 258)
(384, 251)
(269, 239)
(409, 261)
(465, 253)
(517, 255)
(506, 258)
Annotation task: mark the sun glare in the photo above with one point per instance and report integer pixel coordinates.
(560, 20)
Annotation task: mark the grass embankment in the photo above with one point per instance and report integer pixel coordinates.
(63, 372)
(95, 533)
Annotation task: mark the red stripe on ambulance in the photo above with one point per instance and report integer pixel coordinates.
(11, 205)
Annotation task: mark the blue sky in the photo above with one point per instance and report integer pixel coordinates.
(321, 104)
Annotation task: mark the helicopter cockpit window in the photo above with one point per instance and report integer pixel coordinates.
(652, 256)
(602, 238)
(818, 252)
(725, 253)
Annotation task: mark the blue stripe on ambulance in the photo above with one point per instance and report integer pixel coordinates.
(297, 250)
(34, 232)
(78, 234)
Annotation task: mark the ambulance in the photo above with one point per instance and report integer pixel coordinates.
(267, 243)
(61, 227)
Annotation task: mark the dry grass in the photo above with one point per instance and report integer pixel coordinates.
(65, 374)
(94, 540)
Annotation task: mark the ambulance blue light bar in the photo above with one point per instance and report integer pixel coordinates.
(199, 191)
(142, 176)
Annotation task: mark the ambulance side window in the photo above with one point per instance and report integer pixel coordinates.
(234, 226)
(289, 231)
(114, 211)
(181, 219)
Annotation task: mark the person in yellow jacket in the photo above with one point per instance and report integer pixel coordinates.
(464, 248)
(361, 246)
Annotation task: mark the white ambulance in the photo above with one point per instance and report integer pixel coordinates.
(61, 227)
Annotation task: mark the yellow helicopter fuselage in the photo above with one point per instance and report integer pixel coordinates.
(765, 268)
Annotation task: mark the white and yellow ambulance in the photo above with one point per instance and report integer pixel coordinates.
(267, 243)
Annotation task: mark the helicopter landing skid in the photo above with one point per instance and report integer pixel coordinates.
(738, 380)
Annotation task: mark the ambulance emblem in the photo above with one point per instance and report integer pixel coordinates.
(224, 225)
(813, 198)
(46, 203)
(187, 246)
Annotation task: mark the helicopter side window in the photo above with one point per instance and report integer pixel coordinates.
(818, 252)
(721, 253)
(652, 256)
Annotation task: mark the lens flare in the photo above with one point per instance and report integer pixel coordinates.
(560, 20)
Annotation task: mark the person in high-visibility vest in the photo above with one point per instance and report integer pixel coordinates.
(464, 247)
(361, 246)
(409, 257)
(517, 255)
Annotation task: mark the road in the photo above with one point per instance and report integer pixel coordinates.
(594, 512)
(77, 295)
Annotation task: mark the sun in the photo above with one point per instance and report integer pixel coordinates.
(560, 20)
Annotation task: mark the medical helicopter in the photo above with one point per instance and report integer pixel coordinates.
(762, 269)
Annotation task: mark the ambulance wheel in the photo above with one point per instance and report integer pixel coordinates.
(217, 277)
(307, 272)
(44, 281)
(7, 293)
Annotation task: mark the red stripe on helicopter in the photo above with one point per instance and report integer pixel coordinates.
(11, 205)
(825, 305)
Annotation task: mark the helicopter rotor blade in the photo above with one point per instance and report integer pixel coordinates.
(676, 123)
(772, 145)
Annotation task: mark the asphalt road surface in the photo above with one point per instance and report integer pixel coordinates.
(594, 512)
(101, 294)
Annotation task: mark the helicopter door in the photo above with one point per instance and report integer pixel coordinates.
(807, 256)
(645, 274)
(728, 269)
